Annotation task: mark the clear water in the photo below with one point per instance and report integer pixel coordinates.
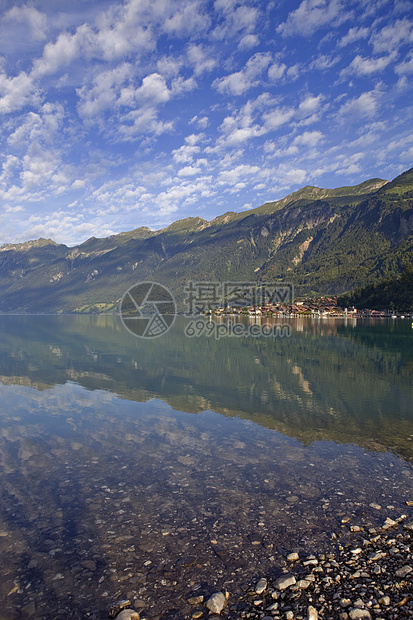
(143, 469)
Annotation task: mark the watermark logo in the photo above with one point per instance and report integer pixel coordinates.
(147, 310)
(204, 297)
(201, 327)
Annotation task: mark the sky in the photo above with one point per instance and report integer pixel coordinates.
(115, 115)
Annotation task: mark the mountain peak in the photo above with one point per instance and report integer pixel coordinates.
(401, 184)
(27, 245)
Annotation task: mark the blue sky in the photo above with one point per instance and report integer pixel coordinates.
(115, 115)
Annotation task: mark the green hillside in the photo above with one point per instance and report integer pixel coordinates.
(324, 241)
(393, 294)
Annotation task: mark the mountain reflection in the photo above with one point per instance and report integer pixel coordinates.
(331, 380)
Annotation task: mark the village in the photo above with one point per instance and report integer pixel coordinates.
(311, 307)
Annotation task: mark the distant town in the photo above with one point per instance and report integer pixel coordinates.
(313, 307)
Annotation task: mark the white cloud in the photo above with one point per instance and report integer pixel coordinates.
(189, 171)
(62, 53)
(323, 62)
(248, 41)
(308, 138)
(237, 174)
(407, 156)
(17, 92)
(153, 89)
(237, 20)
(276, 71)
(405, 67)
(277, 117)
(39, 165)
(200, 59)
(309, 105)
(353, 35)
(10, 164)
(391, 37)
(367, 66)
(312, 15)
(106, 89)
(16, 209)
(36, 20)
(202, 122)
(241, 81)
(364, 106)
(190, 18)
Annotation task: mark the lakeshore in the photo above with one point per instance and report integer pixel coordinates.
(163, 472)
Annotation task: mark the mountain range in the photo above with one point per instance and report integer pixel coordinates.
(324, 241)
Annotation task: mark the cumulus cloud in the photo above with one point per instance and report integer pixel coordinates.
(202, 60)
(190, 18)
(366, 66)
(353, 35)
(17, 92)
(237, 19)
(364, 106)
(241, 81)
(248, 41)
(312, 15)
(277, 117)
(308, 138)
(405, 67)
(392, 36)
(36, 21)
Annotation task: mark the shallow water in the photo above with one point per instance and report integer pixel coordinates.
(143, 469)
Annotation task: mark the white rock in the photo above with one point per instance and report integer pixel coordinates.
(312, 613)
(388, 523)
(216, 602)
(285, 581)
(293, 557)
(261, 585)
(128, 614)
(404, 571)
(355, 614)
(272, 607)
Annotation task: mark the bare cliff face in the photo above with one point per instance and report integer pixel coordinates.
(324, 241)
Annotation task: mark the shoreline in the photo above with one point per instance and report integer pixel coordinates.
(369, 576)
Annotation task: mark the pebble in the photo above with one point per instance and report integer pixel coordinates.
(357, 613)
(312, 613)
(285, 581)
(128, 614)
(350, 583)
(117, 607)
(375, 506)
(216, 602)
(404, 571)
(261, 585)
(88, 565)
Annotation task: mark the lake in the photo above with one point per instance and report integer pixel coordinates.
(146, 468)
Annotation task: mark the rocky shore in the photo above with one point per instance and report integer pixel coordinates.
(368, 577)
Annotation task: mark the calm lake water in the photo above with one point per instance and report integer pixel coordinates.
(144, 468)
